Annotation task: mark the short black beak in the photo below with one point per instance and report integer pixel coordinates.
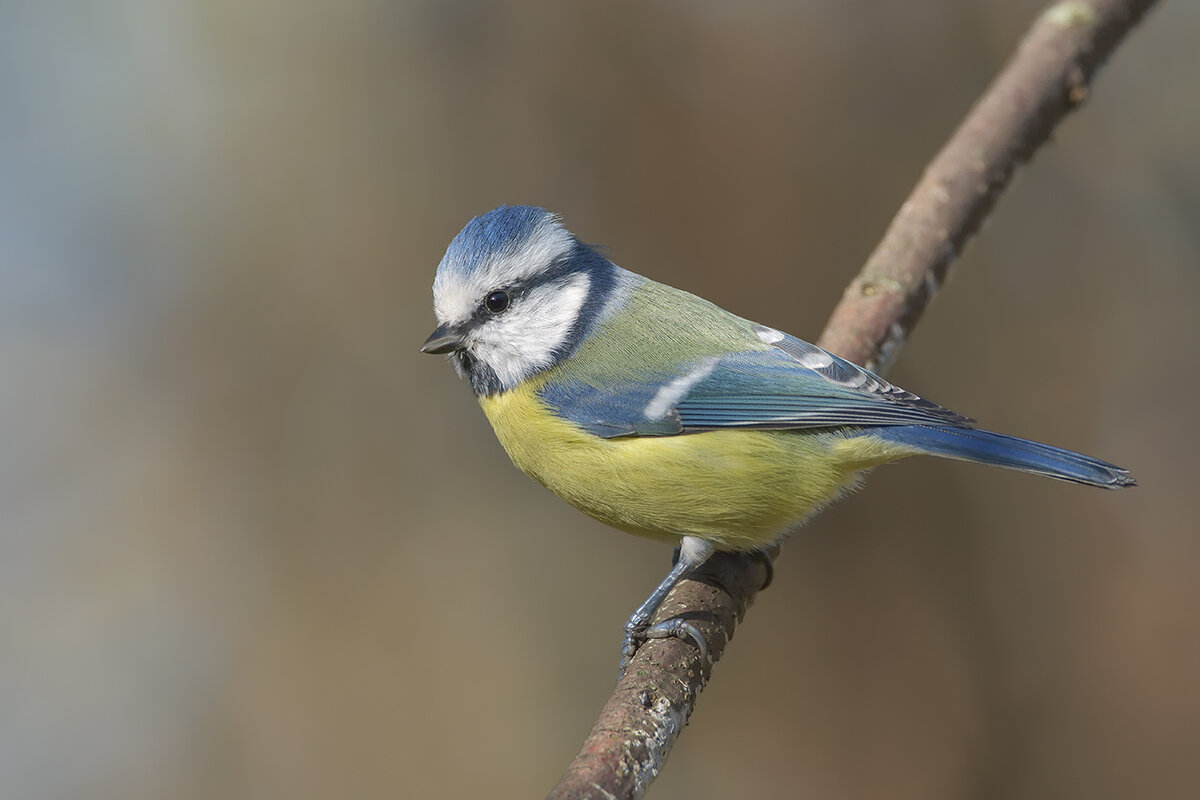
(443, 340)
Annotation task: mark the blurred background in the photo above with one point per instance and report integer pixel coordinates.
(254, 545)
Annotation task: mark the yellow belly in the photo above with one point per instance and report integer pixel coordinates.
(740, 489)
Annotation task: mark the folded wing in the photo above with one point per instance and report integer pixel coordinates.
(791, 384)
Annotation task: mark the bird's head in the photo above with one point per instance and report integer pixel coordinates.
(515, 293)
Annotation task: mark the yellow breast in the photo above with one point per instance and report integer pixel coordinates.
(737, 488)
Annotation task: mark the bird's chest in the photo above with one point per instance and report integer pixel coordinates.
(540, 443)
(737, 488)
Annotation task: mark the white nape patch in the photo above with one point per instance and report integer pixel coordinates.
(815, 359)
(455, 296)
(768, 335)
(522, 340)
(666, 397)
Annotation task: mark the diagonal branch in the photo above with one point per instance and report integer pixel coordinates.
(1047, 77)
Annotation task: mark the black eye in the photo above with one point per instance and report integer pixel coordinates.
(497, 301)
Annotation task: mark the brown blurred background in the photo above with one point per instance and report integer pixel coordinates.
(254, 545)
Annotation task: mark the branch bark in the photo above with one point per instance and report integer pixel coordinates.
(1048, 76)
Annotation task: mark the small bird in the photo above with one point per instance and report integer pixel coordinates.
(665, 416)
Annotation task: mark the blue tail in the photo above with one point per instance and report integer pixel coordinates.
(999, 450)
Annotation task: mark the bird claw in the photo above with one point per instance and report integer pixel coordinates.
(762, 557)
(675, 628)
(691, 554)
(678, 629)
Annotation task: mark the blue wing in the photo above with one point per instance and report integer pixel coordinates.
(791, 384)
(795, 385)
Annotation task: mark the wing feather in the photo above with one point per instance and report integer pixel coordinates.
(789, 385)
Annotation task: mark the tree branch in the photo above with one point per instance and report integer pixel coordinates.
(1047, 77)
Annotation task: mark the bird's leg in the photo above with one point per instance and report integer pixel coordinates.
(692, 553)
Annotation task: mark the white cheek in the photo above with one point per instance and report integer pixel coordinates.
(521, 342)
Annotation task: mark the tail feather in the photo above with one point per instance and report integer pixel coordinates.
(999, 450)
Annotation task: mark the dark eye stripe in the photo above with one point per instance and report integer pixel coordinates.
(518, 289)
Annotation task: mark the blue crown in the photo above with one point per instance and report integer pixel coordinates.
(501, 231)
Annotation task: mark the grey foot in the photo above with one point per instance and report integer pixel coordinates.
(692, 553)
(667, 629)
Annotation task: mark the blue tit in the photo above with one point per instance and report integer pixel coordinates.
(662, 415)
